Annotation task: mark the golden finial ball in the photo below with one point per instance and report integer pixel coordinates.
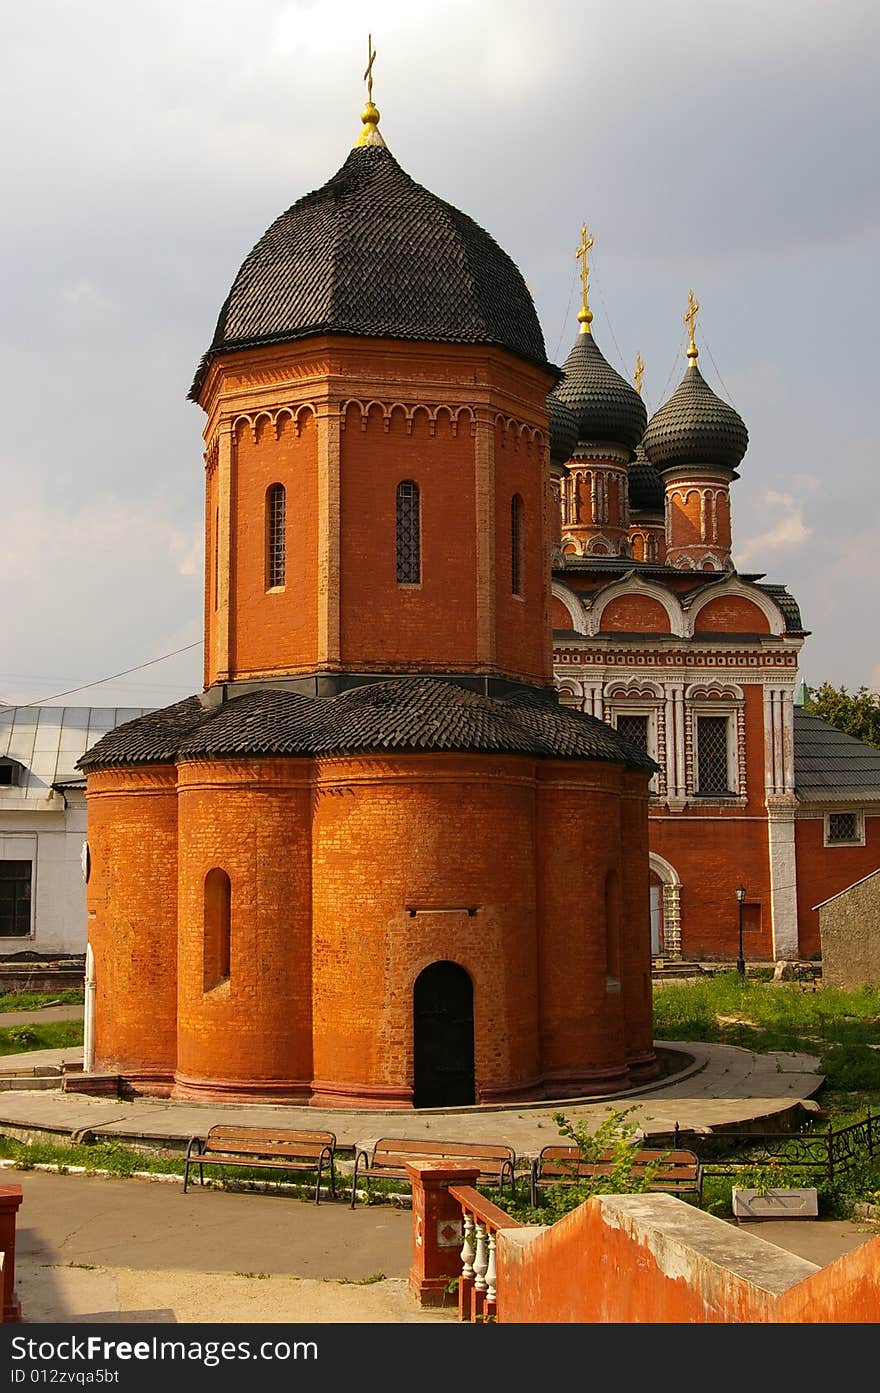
(370, 115)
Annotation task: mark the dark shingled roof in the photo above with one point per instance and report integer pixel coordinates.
(646, 491)
(608, 409)
(563, 429)
(695, 427)
(794, 624)
(374, 253)
(830, 766)
(406, 714)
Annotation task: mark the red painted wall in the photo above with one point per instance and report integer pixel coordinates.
(823, 870)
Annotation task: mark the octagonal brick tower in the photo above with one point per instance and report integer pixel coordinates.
(374, 863)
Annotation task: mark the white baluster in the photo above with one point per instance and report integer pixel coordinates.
(481, 1262)
(490, 1270)
(467, 1247)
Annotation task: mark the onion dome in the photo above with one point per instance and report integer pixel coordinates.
(607, 408)
(646, 491)
(373, 253)
(696, 428)
(563, 429)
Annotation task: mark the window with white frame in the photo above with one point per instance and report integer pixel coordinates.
(713, 756)
(715, 750)
(844, 829)
(635, 715)
(634, 728)
(15, 898)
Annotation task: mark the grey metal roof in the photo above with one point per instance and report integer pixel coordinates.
(373, 253)
(406, 714)
(48, 740)
(830, 766)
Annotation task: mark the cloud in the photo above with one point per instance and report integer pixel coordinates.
(789, 533)
(83, 293)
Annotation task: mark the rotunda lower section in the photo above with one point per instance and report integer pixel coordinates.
(411, 931)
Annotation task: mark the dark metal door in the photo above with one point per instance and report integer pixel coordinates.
(443, 1037)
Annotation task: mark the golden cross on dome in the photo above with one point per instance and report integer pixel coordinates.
(370, 115)
(690, 320)
(584, 313)
(368, 73)
(639, 373)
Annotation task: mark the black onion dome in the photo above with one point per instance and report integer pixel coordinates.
(695, 427)
(607, 408)
(563, 429)
(407, 714)
(646, 491)
(374, 253)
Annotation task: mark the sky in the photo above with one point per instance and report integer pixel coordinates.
(727, 146)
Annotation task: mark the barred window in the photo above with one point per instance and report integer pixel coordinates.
(409, 559)
(516, 544)
(276, 536)
(15, 899)
(842, 828)
(635, 730)
(712, 755)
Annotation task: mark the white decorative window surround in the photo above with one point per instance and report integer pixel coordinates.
(715, 714)
(642, 701)
(845, 827)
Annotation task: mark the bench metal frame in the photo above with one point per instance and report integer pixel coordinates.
(198, 1154)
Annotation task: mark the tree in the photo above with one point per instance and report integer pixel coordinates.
(857, 714)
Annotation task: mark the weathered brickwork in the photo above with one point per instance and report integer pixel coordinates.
(635, 614)
(348, 878)
(823, 870)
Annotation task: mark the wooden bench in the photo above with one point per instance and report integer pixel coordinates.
(274, 1148)
(388, 1157)
(678, 1172)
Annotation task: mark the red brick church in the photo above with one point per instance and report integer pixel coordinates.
(657, 634)
(375, 862)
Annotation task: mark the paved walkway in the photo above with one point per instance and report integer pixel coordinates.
(719, 1086)
(95, 1249)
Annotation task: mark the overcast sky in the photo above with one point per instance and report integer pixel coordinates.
(729, 146)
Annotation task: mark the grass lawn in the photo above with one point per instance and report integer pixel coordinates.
(838, 1027)
(31, 1001)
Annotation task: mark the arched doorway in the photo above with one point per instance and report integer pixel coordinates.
(665, 895)
(443, 1037)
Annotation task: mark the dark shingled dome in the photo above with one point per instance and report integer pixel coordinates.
(407, 714)
(563, 429)
(695, 427)
(646, 491)
(374, 253)
(607, 408)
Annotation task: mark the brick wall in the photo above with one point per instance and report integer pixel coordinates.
(824, 870)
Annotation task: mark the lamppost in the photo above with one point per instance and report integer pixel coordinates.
(740, 898)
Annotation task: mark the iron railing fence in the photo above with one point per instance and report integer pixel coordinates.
(827, 1150)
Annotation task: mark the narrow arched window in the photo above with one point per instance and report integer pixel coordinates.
(409, 542)
(516, 544)
(218, 929)
(216, 557)
(276, 536)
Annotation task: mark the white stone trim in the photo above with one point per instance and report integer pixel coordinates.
(573, 604)
(783, 882)
(736, 588)
(632, 584)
